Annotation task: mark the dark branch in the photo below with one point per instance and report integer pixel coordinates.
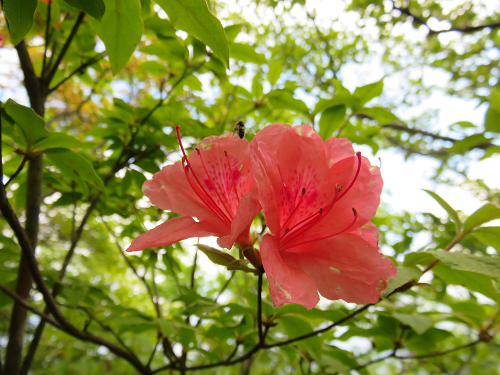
(78, 70)
(27, 306)
(467, 29)
(74, 30)
(463, 29)
(14, 175)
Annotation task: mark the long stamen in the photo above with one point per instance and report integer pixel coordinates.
(309, 221)
(312, 220)
(210, 203)
(235, 187)
(293, 211)
(223, 201)
(358, 154)
(202, 195)
(332, 235)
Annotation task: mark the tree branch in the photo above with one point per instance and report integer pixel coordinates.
(259, 308)
(27, 306)
(52, 71)
(19, 169)
(61, 320)
(47, 37)
(463, 29)
(78, 70)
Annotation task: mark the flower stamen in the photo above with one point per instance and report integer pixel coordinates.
(199, 190)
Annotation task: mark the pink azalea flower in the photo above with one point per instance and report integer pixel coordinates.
(318, 198)
(214, 185)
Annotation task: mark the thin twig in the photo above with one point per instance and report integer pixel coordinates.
(19, 169)
(78, 70)
(226, 284)
(193, 270)
(47, 36)
(438, 354)
(65, 48)
(27, 306)
(259, 307)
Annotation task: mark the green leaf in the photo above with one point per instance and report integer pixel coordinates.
(194, 17)
(485, 265)
(470, 280)
(404, 275)
(94, 8)
(294, 327)
(19, 14)
(120, 30)
(490, 236)
(166, 327)
(283, 99)
(468, 143)
(31, 125)
(419, 323)
(453, 214)
(232, 31)
(200, 307)
(160, 26)
(483, 215)
(275, 70)
(246, 53)
(343, 98)
(216, 256)
(492, 117)
(428, 341)
(57, 140)
(331, 119)
(154, 67)
(368, 92)
(76, 167)
(382, 115)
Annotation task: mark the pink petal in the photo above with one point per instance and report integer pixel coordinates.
(288, 283)
(269, 185)
(337, 149)
(169, 190)
(248, 209)
(302, 165)
(175, 230)
(225, 178)
(344, 267)
(270, 135)
(364, 197)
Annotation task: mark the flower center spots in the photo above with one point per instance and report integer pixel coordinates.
(222, 213)
(289, 233)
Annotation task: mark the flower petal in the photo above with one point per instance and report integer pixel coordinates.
(344, 267)
(271, 135)
(248, 209)
(223, 167)
(364, 197)
(269, 185)
(169, 190)
(337, 149)
(288, 283)
(172, 231)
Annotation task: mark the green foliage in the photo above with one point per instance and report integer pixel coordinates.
(194, 17)
(120, 30)
(105, 131)
(19, 15)
(94, 8)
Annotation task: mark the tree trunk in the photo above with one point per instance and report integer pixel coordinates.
(33, 201)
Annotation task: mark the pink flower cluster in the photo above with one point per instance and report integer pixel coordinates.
(318, 199)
